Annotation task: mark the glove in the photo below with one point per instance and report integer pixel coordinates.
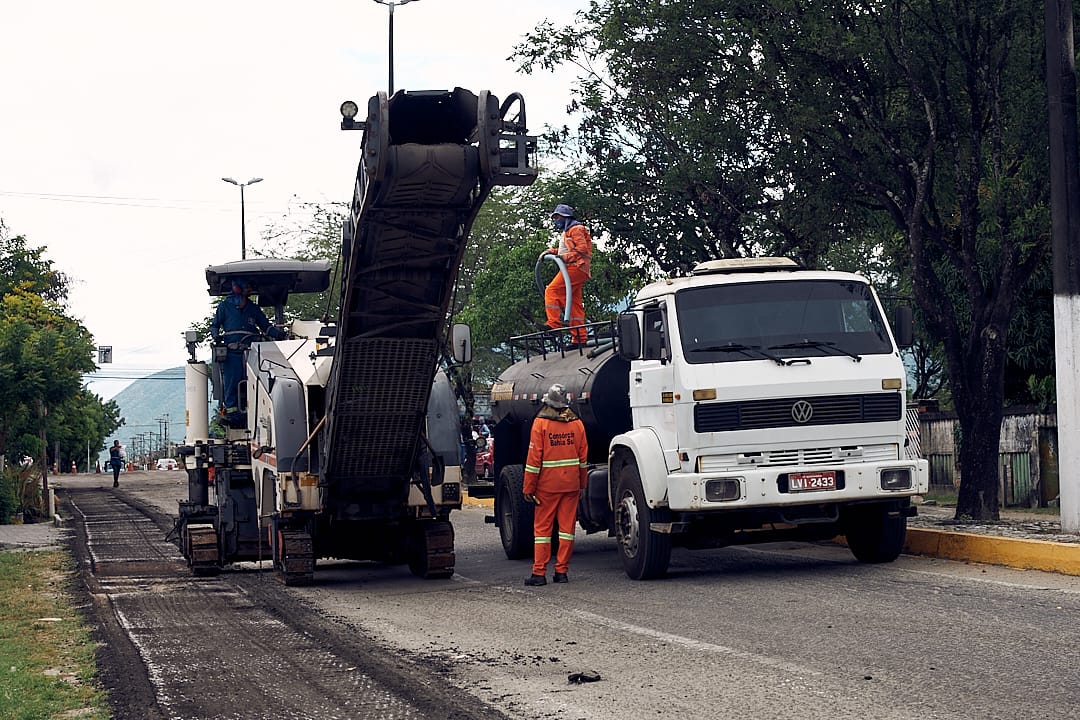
(532, 499)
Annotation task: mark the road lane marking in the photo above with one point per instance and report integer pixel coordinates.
(692, 644)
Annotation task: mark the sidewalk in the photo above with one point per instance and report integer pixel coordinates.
(1020, 539)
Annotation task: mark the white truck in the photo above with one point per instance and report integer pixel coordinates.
(749, 401)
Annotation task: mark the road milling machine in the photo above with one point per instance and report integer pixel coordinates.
(350, 444)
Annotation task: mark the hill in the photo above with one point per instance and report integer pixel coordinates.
(147, 405)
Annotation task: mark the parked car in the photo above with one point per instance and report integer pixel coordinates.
(167, 464)
(485, 459)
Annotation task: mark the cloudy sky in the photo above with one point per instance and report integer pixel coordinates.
(118, 119)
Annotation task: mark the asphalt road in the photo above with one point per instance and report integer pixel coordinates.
(776, 631)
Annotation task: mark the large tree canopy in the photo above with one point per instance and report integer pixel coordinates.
(721, 127)
(44, 354)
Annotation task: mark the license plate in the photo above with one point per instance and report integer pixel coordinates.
(811, 481)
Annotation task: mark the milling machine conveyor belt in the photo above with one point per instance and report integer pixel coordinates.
(429, 160)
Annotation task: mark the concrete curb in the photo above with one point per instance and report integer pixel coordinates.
(1019, 553)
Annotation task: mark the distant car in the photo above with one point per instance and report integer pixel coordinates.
(167, 464)
(485, 459)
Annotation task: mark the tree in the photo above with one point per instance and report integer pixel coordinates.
(497, 292)
(43, 356)
(740, 127)
(24, 267)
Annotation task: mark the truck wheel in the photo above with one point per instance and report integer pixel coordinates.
(873, 535)
(515, 515)
(645, 554)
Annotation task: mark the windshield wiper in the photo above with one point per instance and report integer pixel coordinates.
(744, 349)
(817, 344)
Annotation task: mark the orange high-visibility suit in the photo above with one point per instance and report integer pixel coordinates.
(555, 473)
(575, 249)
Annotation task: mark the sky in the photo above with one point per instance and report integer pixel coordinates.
(118, 119)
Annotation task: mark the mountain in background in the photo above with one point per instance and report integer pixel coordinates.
(144, 405)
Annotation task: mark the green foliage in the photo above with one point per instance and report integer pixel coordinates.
(25, 268)
(498, 294)
(44, 353)
(9, 502)
(720, 127)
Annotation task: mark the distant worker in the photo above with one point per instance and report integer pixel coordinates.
(116, 460)
(555, 475)
(575, 249)
(236, 323)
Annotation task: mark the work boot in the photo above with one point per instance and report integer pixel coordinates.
(560, 578)
(536, 580)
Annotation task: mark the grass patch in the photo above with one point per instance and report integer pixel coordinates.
(47, 665)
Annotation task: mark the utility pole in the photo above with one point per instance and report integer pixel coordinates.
(1065, 228)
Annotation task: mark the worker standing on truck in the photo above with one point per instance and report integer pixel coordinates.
(237, 321)
(555, 475)
(575, 249)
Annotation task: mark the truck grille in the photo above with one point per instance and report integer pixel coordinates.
(788, 412)
(730, 462)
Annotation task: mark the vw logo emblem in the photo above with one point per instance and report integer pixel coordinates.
(802, 411)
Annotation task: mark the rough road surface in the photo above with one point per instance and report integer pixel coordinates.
(233, 646)
(782, 630)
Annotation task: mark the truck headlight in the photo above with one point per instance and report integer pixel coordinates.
(896, 479)
(723, 489)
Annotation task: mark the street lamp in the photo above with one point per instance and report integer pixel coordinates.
(243, 225)
(392, 4)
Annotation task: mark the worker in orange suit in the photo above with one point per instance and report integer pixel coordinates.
(575, 249)
(555, 475)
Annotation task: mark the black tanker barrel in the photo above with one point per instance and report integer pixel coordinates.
(599, 391)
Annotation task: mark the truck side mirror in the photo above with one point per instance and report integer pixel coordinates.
(903, 326)
(461, 342)
(629, 336)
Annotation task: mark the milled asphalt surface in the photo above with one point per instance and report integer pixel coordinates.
(1021, 539)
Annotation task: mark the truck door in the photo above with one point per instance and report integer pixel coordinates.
(652, 385)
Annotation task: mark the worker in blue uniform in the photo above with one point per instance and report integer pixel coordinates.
(237, 322)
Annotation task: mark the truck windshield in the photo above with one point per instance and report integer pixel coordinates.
(793, 318)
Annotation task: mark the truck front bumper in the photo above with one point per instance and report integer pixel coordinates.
(759, 487)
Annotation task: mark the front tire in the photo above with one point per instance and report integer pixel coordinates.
(645, 553)
(874, 534)
(515, 515)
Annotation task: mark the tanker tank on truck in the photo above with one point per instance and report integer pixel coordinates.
(347, 440)
(750, 401)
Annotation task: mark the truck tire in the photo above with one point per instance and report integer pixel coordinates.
(873, 535)
(515, 515)
(645, 553)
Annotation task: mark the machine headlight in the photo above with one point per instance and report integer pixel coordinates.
(896, 479)
(723, 489)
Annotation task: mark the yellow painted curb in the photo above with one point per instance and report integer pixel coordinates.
(488, 503)
(1011, 552)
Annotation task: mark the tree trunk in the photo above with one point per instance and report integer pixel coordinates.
(979, 399)
(979, 485)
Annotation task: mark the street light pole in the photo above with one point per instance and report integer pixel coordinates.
(392, 4)
(243, 223)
